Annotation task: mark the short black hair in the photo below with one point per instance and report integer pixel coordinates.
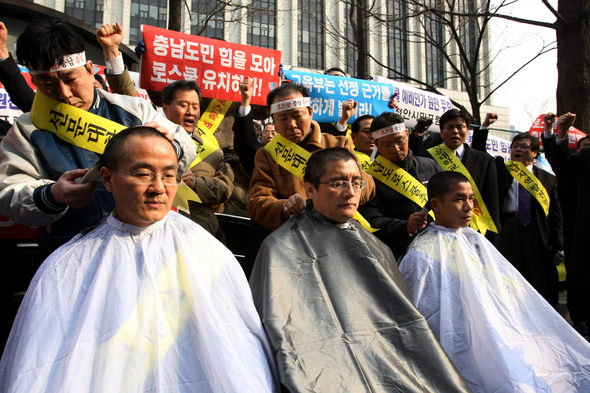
(332, 69)
(170, 90)
(317, 163)
(284, 90)
(534, 141)
(386, 119)
(356, 125)
(46, 41)
(440, 184)
(453, 114)
(114, 149)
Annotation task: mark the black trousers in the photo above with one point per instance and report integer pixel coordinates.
(523, 247)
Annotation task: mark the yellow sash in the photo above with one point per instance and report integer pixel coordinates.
(530, 182)
(73, 125)
(481, 219)
(395, 177)
(293, 158)
(364, 160)
(206, 127)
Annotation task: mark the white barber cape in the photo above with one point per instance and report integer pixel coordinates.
(163, 308)
(499, 332)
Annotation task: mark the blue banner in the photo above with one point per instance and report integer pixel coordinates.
(329, 92)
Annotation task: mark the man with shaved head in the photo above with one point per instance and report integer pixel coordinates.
(146, 301)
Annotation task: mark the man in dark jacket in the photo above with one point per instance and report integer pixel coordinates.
(454, 126)
(530, 235)
(397, 217)
(572, 174)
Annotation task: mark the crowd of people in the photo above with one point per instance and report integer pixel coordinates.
(385, 260)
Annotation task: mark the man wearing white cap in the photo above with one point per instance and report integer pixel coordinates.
(39, 171)
(275, 193)
(396, 212)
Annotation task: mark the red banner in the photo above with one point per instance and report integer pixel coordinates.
(573, 134)
(217, 66)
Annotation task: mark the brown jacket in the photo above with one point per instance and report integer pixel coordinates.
(271, 184)
(214, 183)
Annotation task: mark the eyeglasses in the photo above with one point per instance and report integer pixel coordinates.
(520, 146)
(148, 177)
(342, 185)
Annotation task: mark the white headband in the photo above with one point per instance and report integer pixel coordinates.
(69, 61)
(281, 106)
(399, 127)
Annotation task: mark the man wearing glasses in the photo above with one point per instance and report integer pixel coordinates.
(531, 233)
(147, 301)
(397, 216)
(333, 302)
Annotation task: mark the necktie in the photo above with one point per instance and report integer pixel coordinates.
(524, 206)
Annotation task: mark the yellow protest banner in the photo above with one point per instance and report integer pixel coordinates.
(481, 220)
(293, 158)
(73, 125)
(530, 182)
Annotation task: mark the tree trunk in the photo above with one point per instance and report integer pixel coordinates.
(361, 39)
(174, 15)
(573, 61)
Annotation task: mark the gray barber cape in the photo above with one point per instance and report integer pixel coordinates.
(338, 315)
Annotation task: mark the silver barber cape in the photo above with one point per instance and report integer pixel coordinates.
(338, 316)
(499, 332)
(120, 308)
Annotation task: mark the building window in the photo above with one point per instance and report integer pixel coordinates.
(146, 12)
(261, 24)
(397, 35)
(207, 18)
(434, 41)
(310, 34)
(89, 11)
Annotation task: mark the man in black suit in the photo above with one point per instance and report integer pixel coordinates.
(574, 191)
(529, 237)
(454, 126)
(397, 217)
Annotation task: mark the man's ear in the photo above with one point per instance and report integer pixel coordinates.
(435, 205)
(310, 110)
(165, 109)
(106, 178)
(89, 67)
(309, 190)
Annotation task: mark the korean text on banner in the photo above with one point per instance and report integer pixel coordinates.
(328, 92)
(415, 103)
(217, 66)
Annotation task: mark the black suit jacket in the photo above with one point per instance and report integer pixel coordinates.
(550, 226)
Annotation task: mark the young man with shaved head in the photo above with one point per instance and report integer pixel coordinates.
(498, 331)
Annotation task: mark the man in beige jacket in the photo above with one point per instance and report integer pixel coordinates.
(276, 194)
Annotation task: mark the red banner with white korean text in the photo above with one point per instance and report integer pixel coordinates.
(217, 66)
